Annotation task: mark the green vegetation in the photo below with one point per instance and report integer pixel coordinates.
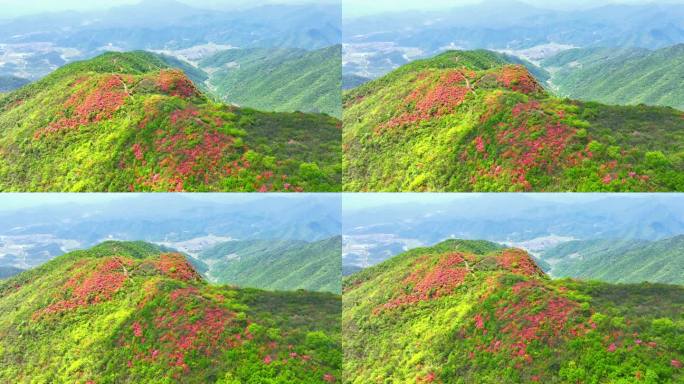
(472, 312)
(619, 261)
(621, 76)
(470, 121)
(129, 313)
(280, 79)
(275, 264)
(127, 122)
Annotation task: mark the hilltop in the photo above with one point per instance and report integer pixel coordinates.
(620, 76)
(473, 311)
(129, 312)
(275, 264)
(129, 122)
(475, 121)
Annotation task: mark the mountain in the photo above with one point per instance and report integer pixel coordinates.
(376, 43)
(10, 83)
(470, 121)
(278, 79)
(126, 312)
(275, 264)
(352, 81)
(9, 271)
(619, 261)
(620, 76)
(129, 122)
(472, 312)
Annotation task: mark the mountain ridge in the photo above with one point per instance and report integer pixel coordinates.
(165, 133)
(134, 313)
(473, 311)
(490, 126)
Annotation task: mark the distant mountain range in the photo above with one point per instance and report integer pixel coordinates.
(274, 264)
(29, 237)
(137, 314)
(374, 45)
(619, 261)
(374, 234)
(48, 41)
(473, 311)
(477, 121)
(620, 76)
(131, 122)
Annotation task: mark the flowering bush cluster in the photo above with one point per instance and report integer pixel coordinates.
(433, 100)
(92, 102)
(87, 287)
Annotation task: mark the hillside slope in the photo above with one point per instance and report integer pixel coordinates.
(273, 264)
(615, 261)
(621, 76)
(128, 122)
(125, 312)
(281, 79)
(473, 312)
(469, 121)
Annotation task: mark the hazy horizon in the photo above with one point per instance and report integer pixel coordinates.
(18, 8)
(358, 8)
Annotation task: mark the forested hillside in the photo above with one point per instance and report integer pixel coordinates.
(472, 121)
(474, 312)
(128, 312)
(129, 122)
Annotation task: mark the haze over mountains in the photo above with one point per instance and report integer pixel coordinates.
(376, 44)
(376, 228)
(30, 236)
(32, 46)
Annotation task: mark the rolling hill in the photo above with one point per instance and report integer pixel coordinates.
(620, 76)
(129, 122)
(127, 312)
(275, 264)
(473, 312)
(471, 121)
(615, 261)
(278, 79)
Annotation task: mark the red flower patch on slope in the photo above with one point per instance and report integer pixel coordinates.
(86, 288)
(518, 261)
(432, 101)
(189, 324)
(530, 315)
(176, 266)
(431, 282)
(87, 106)
(175, 83)
(519, 79)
